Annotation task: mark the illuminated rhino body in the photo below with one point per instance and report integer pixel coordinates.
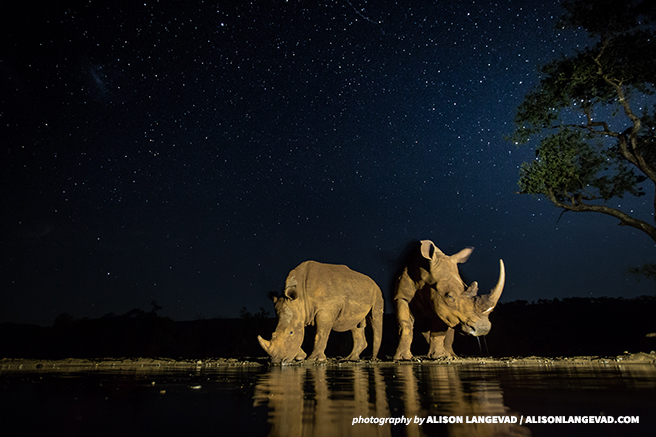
(430, 293)
(332, 297)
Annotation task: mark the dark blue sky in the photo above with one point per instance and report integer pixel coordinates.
(193, 153)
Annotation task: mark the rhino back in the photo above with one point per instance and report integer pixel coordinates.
(338, 288)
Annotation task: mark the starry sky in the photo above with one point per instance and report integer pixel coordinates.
(193, 153)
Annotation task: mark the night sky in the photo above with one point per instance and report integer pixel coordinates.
(193, 153)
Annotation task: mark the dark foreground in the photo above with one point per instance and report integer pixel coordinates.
(542, 367)
(538, 396)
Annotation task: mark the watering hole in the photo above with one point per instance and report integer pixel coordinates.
(427, 398)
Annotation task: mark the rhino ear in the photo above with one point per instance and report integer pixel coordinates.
(291, 293)
(463, 255)
(429, 250)
(290, 287)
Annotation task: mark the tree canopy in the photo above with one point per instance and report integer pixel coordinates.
(593, 115)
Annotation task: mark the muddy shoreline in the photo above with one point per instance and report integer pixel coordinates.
(167, 364)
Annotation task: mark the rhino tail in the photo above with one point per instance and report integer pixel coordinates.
(376, 322)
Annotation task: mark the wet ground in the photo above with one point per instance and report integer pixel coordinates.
(77, 364)
(465, 396)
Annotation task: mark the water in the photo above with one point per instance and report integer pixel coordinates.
(327, 399)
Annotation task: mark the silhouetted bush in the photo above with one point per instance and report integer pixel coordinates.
(572, 326)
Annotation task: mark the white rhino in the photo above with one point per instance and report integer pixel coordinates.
(333, 297)
(430, 293)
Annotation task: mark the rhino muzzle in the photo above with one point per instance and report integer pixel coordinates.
(271, 351)
(480, 324)
(481, 328)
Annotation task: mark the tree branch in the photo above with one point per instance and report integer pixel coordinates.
(625, 220)
(590, 127)
(592, 124)
(628, 140)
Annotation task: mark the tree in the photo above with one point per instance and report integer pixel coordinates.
(591, 116)
(262, 314)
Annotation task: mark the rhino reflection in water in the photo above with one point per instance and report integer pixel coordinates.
(431, 296)
(323, 400)
(327, 400)
(333, 297)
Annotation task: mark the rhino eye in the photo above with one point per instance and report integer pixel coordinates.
(291, 332)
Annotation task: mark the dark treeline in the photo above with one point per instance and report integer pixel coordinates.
(567, 327)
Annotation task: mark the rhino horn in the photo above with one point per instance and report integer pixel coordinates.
(266, 344)
(490, 301)
(498, 289)
(472, 290)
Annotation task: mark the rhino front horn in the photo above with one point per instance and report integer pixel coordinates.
(266, 344)
(492, 298)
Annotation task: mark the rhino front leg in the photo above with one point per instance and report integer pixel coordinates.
(440, 343)
(406, 323)
(359, 341)
(448, 342)
(300, 355)
(324, 323)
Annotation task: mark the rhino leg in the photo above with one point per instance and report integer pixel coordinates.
(324, 323)
(376, 322)
(440, 343)
(448, 342)
(406, 322)
(359, 341)
(300, 355)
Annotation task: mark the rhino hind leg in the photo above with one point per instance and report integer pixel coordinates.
(376, 321)
(440, 343)
(359, 342)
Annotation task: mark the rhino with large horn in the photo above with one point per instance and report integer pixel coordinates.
(332, 297)
(430, 294)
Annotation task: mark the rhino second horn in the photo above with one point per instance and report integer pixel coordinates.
(266, 344)
(494, 296)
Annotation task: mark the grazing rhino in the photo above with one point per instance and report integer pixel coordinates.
(333, 297)
(430, 294)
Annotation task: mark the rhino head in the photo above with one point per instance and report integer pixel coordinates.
(457, 305)
(286, 341)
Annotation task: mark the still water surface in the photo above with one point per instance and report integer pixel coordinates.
(327, 399)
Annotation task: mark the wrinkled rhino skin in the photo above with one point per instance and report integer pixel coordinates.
(331, 296)
(431, 296)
